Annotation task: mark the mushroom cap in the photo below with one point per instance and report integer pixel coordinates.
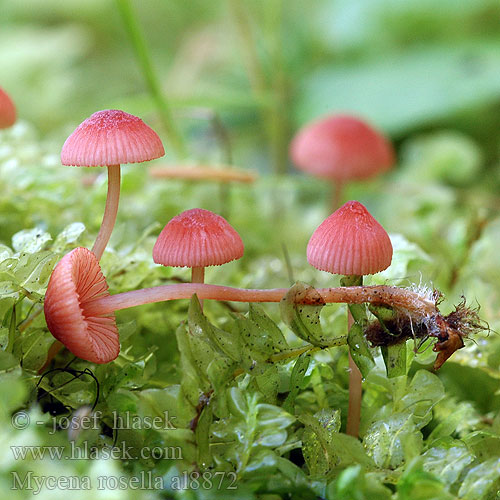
(342, 148)
(75, 282)
(7, 110)
(111, 137)
(197, 238)
(350, 241)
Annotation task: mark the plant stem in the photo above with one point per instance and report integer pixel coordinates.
(475, 228)
(380, 294)
(290, 354)
(255, 73)
(224, 141)
(27, 322)
(152, 82)
(275, 13)
(110, 211)
(269, 108)
(293, 353)
(12, 329)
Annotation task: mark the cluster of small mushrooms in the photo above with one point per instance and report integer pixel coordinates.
(78, 308)
(80, 312)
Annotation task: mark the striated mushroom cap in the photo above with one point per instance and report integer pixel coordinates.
(197, 238)
(342, 148)
(111, 137)
(76, 281)
(350, 241)
(7, 110)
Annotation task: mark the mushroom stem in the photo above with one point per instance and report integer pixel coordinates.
(198, 276)
(110, 211)
(355, 395)
(380, 294)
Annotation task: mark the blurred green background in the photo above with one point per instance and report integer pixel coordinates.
(265, 67)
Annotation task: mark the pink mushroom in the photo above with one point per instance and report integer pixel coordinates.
(109, 138)
(351, 242)
(341, 148)
(7, 110)
(197, 238)
(75, 283)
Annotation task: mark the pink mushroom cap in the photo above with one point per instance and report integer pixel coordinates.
(342, 148)
(76, 281)
(350, 241)
(111, 137)
(7, 110)
(197, 238)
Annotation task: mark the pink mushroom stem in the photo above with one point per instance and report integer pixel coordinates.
(110, 138)
(392, 296)
(198, 276)
(110, 211)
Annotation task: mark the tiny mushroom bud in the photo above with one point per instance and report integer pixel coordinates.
(197, 238)
(341, 148)
(7, 110)
(77, 282)
(109, 138)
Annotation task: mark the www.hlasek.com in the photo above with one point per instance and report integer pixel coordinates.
(144, 481)
(82, 451)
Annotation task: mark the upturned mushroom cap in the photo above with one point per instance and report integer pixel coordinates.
(76, 281)
(7, 110)
(197, 238)
(350, 241)
(342, 148)
(111, 137)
